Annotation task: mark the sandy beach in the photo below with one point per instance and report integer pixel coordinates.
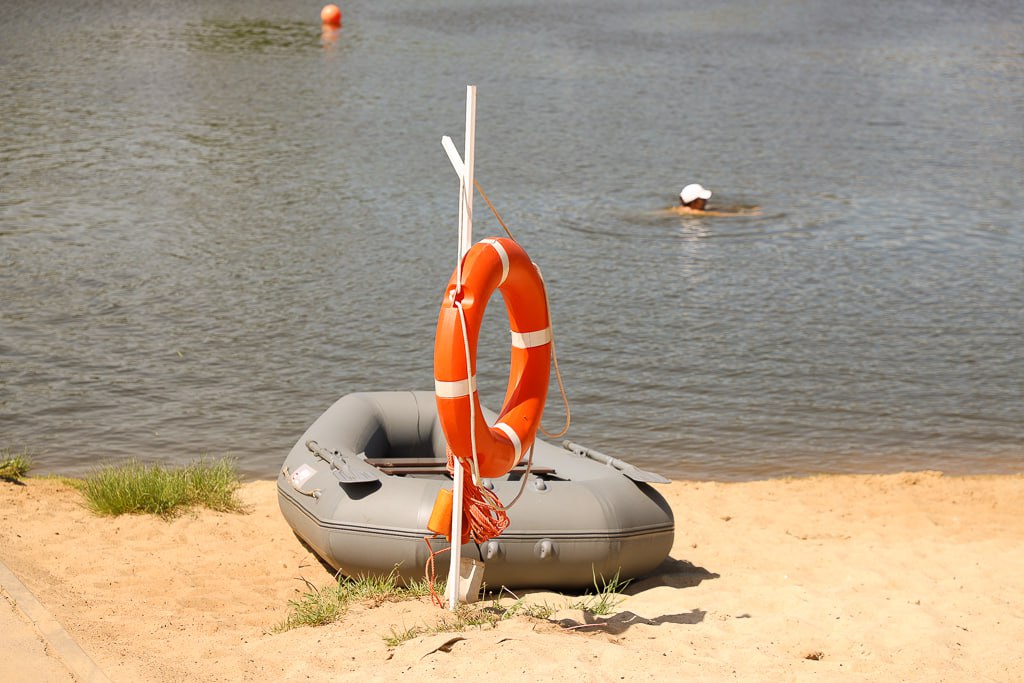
(914, 577)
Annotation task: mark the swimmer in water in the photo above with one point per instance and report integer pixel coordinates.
(693, 200)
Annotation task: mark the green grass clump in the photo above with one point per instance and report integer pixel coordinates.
(519, 608)
(320, 606)
(135, 488)
(606, 597)
(14, 468)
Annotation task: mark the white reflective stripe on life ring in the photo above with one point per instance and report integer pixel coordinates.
(511, 434)
(456, 389)
(528, 340)
(503, 255)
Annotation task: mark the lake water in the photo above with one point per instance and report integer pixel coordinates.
(216, 219)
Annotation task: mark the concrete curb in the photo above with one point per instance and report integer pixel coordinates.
(62, 645)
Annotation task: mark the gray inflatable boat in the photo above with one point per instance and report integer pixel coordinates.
(360, 484)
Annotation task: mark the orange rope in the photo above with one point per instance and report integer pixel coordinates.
(482, 512)
(430, 571)
(493, 210)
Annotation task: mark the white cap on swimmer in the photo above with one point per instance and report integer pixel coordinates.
(694, 191)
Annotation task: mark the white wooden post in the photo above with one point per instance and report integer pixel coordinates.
(465, 242)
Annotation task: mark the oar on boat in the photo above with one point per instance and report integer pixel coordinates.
(631, 471)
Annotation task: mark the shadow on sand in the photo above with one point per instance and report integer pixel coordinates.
(671, 573)
(621, 622)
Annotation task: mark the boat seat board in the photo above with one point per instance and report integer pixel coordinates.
(432, 466)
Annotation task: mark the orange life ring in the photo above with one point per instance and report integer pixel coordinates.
(497, 263)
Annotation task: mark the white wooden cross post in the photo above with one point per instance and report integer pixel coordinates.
(464, 169)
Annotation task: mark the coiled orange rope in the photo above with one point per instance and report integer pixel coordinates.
(483, 513)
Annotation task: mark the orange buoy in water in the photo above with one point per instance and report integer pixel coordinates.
(330, 15)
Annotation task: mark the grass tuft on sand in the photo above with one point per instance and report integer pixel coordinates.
(14, 468)
(322, 606)
(136, 488)
(605, 597)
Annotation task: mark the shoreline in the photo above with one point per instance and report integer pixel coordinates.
(914, 576)
(949, 465)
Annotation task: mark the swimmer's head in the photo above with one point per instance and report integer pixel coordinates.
(693, 192)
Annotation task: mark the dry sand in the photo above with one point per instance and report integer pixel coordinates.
(914, 577)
